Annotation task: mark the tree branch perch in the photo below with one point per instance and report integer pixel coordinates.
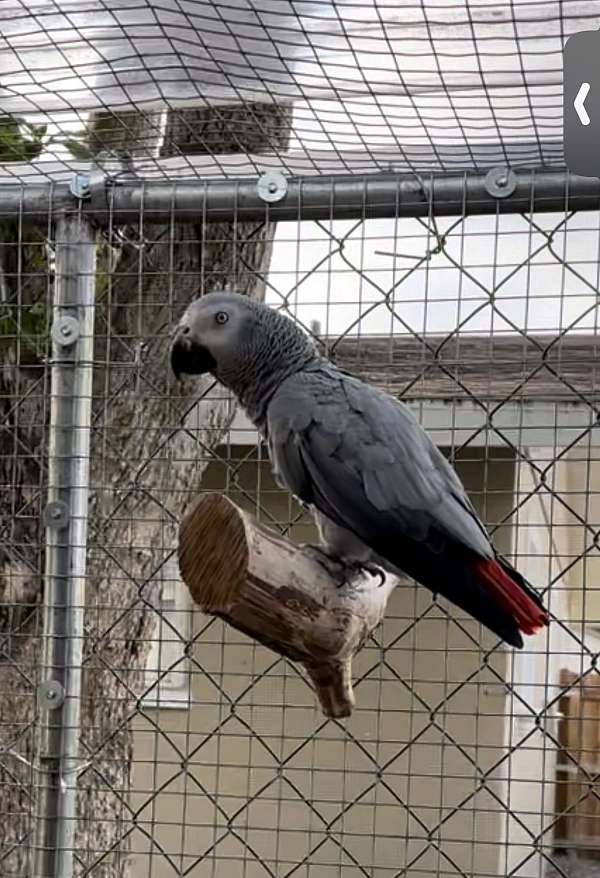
(277, 593)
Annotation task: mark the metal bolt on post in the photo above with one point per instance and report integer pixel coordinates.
(65, 517)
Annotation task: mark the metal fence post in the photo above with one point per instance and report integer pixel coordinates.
(66, 537)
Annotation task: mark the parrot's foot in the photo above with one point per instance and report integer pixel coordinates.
(374, 570)
(334, 568)
(343, 572)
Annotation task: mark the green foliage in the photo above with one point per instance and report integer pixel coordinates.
(23, 292)
(24, 327)
(25, 330)
(20, 141)
(78, 148)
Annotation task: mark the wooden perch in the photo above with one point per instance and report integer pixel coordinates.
(276, 592)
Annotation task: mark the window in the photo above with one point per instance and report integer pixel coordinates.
(167, 677)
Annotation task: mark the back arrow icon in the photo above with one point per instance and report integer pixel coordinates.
(578, 103)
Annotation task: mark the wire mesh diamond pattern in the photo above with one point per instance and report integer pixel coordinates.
(432, 773)
(423, 779)
(199, 752)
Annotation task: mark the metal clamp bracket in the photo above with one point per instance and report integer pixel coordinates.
(51, 694)
(500, 182)
(65, 331)
(272, 187)
(84, 184)
(56, 514)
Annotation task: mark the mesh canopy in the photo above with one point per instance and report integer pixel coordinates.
(375, 85)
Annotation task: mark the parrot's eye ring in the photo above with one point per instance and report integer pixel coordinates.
(221, 317)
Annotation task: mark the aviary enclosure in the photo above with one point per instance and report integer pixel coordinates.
(392, 176)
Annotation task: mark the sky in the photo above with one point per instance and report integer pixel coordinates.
(535, 288)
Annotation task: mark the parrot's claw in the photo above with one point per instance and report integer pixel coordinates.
(354, 568)
(374, 570)
(343, 572)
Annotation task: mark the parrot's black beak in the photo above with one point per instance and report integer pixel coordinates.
(190, 358)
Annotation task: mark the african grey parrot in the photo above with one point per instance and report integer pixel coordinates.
(379, 489)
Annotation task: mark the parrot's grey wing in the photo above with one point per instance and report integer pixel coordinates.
(454, 485)
(363, 460)
(288, 417)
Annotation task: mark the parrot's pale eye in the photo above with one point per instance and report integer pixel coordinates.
(221, 317)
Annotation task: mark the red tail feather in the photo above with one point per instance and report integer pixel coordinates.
(510, 597)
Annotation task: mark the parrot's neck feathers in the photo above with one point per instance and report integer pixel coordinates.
(256, 395)
(264, 363)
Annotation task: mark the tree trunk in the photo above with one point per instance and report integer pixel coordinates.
(150, 446)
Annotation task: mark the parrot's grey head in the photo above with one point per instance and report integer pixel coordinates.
(243, 343)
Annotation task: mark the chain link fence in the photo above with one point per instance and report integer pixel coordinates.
(153, 153)
(198, 752)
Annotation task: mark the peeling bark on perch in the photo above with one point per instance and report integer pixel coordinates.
(276, 592)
